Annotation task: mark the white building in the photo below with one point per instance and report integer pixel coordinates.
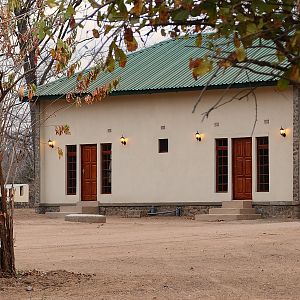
(20, 193)
(242, 153)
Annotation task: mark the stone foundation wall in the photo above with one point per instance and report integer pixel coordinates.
(186, 210)
(278, 211)
(43, 209)
(21, 205)
(32, 188)
(267, 210)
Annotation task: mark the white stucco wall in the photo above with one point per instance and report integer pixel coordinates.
(20, 192)
(187, 172)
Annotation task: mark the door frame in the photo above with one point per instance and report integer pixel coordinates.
(232, 166)
(81, 170)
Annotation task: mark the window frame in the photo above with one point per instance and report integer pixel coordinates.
(218, 166)
(21, 190)
(106, 173)
(259, 166)
(71, 170)
(163, 148)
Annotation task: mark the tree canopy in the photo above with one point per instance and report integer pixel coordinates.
(245, 24)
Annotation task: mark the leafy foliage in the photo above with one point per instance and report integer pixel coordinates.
(243, 24)
(62, 129)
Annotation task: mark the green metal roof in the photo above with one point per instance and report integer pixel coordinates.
(164, 67)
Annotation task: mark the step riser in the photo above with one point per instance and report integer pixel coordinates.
(70, 209)
(80, 209)
(237, 204)
(232, 211)
(213, 218)
(87, 204)
(90, 210)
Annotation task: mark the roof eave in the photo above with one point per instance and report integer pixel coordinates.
(168, 90)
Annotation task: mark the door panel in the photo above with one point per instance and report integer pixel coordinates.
(242, 168)
(89, 172)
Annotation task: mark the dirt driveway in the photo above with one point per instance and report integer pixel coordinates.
(155, 258)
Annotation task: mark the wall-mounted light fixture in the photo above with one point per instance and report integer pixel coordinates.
(123, 140)
(282, 132)
(198, 136)
(51, 143)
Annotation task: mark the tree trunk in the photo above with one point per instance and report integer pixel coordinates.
(7, 256)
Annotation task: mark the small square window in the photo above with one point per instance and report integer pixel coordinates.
(21, 190)
(163, 146)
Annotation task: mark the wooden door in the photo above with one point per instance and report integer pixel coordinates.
(242, 168)
(89, 172)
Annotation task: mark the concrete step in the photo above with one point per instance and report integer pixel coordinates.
(87, 203)
(228, 217)
(237, 204)
(56, 215)
(70, 209)
(90, 210)
(232, 211)
(80, 209)
(85, 218)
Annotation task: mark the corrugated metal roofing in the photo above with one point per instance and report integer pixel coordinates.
(165, 66)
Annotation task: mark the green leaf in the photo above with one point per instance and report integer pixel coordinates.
(41, 30)
(180, 14)
(100, 18)
(261, 23)
(70, 11)
(196, 11)
(13, 4)
(122, 9)
(51, 3)
(224, 11)
(94, 4)
(113, 15)
(134, 20)
(210, 8)
(60, 43)
(201, 67)
(107, 29)
(260, 5)
(110, 64)
(240, 54)
(280, 56)
(282, 84)
(241, 18)
(199, 40)
(33, 87)
(236, 40)
(11, 77)
(120, 56)
(251, 28)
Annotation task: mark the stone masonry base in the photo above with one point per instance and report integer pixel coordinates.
(21, 205)
(42, 209)
(266, 209)
(278, 210)
(186, 210)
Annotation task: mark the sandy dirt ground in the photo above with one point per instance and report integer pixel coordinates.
(154, 258)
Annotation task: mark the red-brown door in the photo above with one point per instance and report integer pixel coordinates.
(242, 168)
(89, 172)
